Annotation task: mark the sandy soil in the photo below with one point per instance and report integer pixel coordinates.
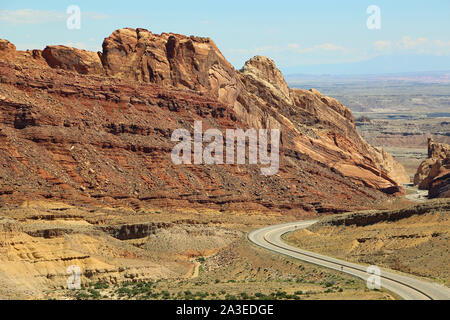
(153, 254)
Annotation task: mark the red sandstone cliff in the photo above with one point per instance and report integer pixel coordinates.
(433, 174)
(96, 127)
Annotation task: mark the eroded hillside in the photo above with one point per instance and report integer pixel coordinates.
(95, 128)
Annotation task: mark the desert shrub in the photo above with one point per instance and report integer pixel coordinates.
(94, 293)
(125, 291)
(281, 294)
(244, 295)
(329, 283)
(82, 295)
(101, 285)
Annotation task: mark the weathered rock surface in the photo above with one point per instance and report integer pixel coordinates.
(387, 161)
(440, 186)
(40, 241)
(82, 126)
(370, 217)
(166, 59)
(71, 59)
(434, 173)
(7, 49)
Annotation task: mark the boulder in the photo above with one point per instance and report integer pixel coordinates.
(72, 59)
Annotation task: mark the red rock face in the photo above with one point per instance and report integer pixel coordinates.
(96, 128)
(81, 61)
(7, 50)
(167, 59)
(433, 174)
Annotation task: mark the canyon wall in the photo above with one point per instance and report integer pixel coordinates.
(433, 174)
(88, 127)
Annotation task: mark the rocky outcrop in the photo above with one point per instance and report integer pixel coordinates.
(323, 124)
(96, 127)
(7, 49)
(71, 59)
(166, 59)
(263, 70)
(367, 218)
(388, 163)
(440, 186)
(434, 173)
(135, 231)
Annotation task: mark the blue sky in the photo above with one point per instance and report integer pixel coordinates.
(293, 33)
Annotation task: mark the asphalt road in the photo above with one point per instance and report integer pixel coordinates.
(407, 287)
(418, 195)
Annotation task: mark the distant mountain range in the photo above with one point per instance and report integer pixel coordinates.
(377, 65)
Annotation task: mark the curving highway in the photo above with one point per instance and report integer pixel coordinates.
(407, 287)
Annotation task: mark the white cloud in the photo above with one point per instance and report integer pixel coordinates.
(441, 43)
(411, 43)
(31, 16)
(418, 45)
(382, 45)
(327, 47)
(291, 47)
(94, 15)
(268, 49)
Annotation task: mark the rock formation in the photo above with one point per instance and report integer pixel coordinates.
(81, 61)
(434, 173)
(95, 127)
(7, 49)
